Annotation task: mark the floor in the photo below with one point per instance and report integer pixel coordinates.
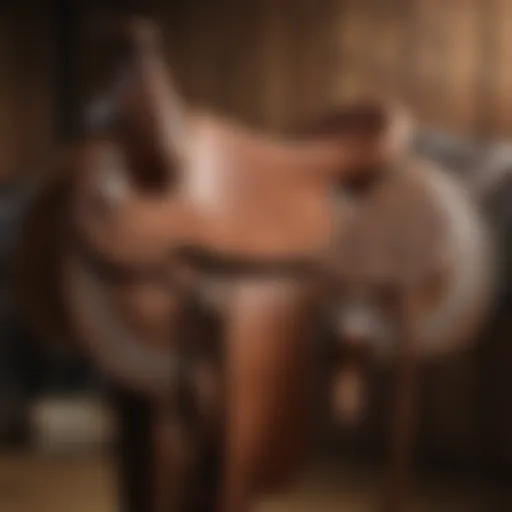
(86, 484)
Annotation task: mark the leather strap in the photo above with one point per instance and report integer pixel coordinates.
(200, 260)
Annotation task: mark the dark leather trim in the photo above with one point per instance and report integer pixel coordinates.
(237, 265)
(202, 260)
(115, 271)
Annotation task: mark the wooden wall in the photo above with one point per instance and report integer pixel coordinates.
(26, 85)
(276, 63)
(259, 60)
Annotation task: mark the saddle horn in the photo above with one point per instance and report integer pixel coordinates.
(143, 108)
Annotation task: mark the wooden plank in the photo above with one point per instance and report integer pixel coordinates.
(230, 33)
(323, 79)
(279, 59)
(26, 104)
(500, 381)
(312, 87)
(353, 36)
(187, 61)
(198, 52)
(8, 126)
(332, 59)
(172, 16)
(248, 94)
(389, 70)
(460, 64)
(211, 35)
(502, 72)
(275, 65)
(294, 47)
(451, 433)
(427, 82)
(487, 65)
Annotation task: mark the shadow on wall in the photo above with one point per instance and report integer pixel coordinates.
(27, 369)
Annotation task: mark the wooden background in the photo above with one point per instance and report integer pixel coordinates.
(276, 64)
(27, 106)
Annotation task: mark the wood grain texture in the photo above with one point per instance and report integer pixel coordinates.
(26, 88)
(277, 63)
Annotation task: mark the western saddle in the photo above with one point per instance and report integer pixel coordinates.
(166, 213)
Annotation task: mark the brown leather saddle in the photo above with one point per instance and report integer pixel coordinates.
(159, 193)
(163, 207)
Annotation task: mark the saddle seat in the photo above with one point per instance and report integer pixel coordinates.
(237, 193)
(256, 196)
